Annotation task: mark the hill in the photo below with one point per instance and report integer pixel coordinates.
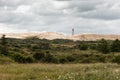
(55, 35)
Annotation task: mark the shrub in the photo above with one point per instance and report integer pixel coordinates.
(103, 46)
(93, 46)
(115, 46)
(116, 59)
(39, 55)
(4, 50)
(61, 41)
(29, 59)
(45, 46)
(63, 60)
(19, 58)
(70, 58)
(82, 46)
(4, 46)
(102, 59)
(50, 58)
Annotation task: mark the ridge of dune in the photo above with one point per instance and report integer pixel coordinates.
(56, 35)
(93, 37)
(41, 35)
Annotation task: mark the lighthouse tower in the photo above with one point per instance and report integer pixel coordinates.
(73, 31)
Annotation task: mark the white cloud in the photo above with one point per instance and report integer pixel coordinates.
(22, 9)
(94, 16)
(60, 5)
(8, 29)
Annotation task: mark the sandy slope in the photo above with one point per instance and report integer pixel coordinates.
(92, 37)
(55, 35)
(42, 35)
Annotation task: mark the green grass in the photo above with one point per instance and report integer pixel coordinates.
(97, 71)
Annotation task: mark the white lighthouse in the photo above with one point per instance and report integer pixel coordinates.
(73, 31)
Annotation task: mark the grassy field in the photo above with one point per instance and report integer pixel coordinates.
(96, 71)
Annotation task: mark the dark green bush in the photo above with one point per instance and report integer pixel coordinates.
(82, 46)
(50, 58)
(101, 58)
(103, 46)
(63, 60)
(70, 58)
(93, 46)
(18, 58)
(4, 51)
(39, 55)
(61, 41)
(116, 59)
(115, 46)
(44, 46)
(29, 59)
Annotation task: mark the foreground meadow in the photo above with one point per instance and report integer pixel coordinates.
(60, 72)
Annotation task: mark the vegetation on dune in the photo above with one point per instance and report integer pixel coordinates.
(35, 50)
(66, 54)
(103, 46)
(115, 46)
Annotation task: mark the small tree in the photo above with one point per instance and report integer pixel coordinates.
(3, 40)
(115, 46)
(103, 46)
(4, 47)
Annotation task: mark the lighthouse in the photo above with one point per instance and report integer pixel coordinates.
(73, 31)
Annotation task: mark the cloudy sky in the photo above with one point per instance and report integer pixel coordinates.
(86, 16)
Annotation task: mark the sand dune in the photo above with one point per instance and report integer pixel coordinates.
(55, 35)
(92, 37)
(41, 35)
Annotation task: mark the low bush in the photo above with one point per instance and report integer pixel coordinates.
(93, 46)
(39, 55)
(103, 46)
(116, 59)
(71, 58)
(50, 58)
(82, 46)
(19, 58)
(115, 46)
(29, 59)
(63, 60)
